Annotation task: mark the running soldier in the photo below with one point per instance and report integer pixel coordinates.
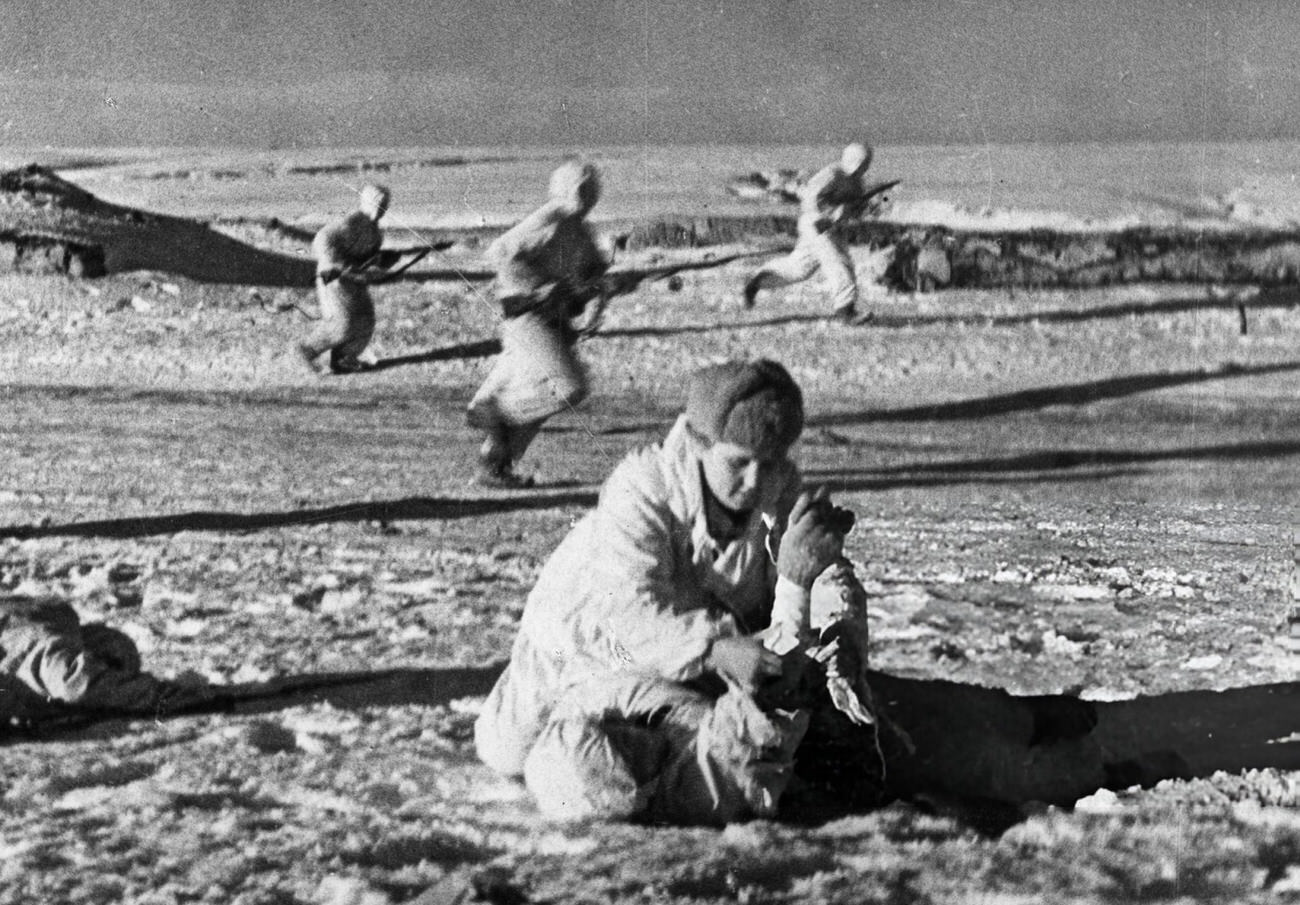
(631, 685)
(548, 268)
(834, 197)
(344, 249)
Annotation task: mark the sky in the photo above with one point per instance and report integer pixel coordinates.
(332, 73)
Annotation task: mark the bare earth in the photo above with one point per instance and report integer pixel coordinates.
(1091, 492)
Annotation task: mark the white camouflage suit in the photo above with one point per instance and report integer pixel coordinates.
(342, 250)
(832, 198)
(599, 709)
(547, 266)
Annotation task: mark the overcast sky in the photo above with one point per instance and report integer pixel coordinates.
(285, 73)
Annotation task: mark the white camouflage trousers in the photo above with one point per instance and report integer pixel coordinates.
(813, 251)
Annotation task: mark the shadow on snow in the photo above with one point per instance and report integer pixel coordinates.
(1036, 467)
(1014, 469)
(983, 749)
(1198, 303)
(1043, 397)
(477, 349)
(382, 511)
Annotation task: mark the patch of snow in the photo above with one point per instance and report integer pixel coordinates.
(340, 601)
(1291, 882)
(184, 628)
(84, 798)
(1060, 645)
(1103, 801)
(423, 587)
(337, 890)
(1073, 591)
(1103, 693)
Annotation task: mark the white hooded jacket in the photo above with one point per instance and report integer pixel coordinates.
(639, 587)
(554, 245)
(640, 584)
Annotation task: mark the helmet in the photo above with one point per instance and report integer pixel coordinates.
(374, 200)
(576, 185)
(856, 157)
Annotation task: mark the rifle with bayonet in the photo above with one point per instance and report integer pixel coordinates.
(624, 282)
(379, 267)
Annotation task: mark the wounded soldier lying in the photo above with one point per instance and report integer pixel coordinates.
(668, 665)
(53, 666)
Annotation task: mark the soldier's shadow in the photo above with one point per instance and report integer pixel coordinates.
(1037, 398)
(481, 348)
(983, 748)
(984, 754)
(343, 690)
(382, 512)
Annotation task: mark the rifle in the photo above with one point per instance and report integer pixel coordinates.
(873, 191)
(879, 188)
(387, 275)
(624, 282)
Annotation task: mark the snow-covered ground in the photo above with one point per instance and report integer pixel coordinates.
(1089, 491)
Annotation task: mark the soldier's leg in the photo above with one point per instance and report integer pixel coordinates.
(484, 413)
(519, 437)
(575, 772)
(328, 332)
(508, 725)
(735, 765)
(797, 266)
(359, 329)
(540, 377)
(548, 378)
(837, 269)
(604, 748)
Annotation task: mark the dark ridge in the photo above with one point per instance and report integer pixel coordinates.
(37, 254)
(53, 225)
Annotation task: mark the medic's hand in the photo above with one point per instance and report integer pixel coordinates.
(742, 659)
(329, 276)
(813, 539)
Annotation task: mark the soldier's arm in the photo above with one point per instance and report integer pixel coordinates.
(330, 251)
(522, 244)
(819, 198)
(639, 615)
(589, 278)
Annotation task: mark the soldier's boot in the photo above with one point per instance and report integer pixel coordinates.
(495, 462)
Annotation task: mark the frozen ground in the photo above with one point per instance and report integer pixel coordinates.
(1091, 492)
